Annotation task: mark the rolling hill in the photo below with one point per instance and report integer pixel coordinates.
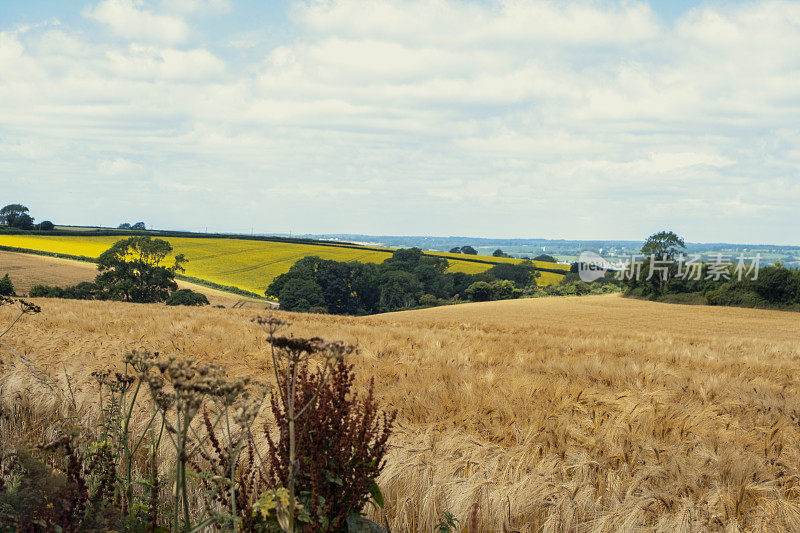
(248, 264)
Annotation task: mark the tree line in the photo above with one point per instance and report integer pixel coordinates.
(17, 216)
(407, 279)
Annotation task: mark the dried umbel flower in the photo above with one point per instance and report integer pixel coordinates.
(142, 361)
(298, 344)
(101, 376)
(25, 306)
(270, 321)
(29, 307)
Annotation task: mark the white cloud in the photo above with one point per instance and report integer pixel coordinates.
(127, 19)
(117, 167)
(422, 105)
(197, 6)
(148, 62)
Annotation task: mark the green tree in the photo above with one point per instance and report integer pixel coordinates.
(301, 295)
(139, 226)
(522, 274)
(778, 285)
(15, 215)
(663, 244)
(480, 291)
(469, 250)
(499, 253)
(399, 290)
(46, 225)
(132, 270)
(455, 250)
(6, 287)
(546, 258)
(187, 297)
(662, 247)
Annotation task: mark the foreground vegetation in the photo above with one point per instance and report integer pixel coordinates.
(596, 414)
(106, 472)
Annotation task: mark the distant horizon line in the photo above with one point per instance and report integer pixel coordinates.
(490, 239)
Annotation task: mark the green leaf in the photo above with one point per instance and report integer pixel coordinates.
(375, 492)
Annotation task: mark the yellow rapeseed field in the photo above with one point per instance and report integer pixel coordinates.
(597, 413)
(242, 263)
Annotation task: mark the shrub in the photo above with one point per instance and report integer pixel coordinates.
(6, 287)
(480, 291)
(187, 297)
(85, 290)
(502, 289)
(778, 285)
(45, 291)
(428, 300)
(46, 225)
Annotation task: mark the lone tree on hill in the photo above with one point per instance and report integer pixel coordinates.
(132, 270)
(663, 243)
(663, 246)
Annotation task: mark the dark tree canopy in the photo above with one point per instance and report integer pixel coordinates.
(407, 279)
(6, 287)
(545, 258)
(16, 216)
(663, 243)
(187, 297)
(300, 294)
(777, 284)
(469, 250)
(522, 274)
(46, 225)
(455, 250)
(131, 270)
(124, 225)
(139, 226)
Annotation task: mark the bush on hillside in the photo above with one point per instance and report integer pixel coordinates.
(187, 297)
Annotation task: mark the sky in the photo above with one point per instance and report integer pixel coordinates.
(594, 119)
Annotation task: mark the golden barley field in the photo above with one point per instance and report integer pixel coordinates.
(593, 413)
(247, 264)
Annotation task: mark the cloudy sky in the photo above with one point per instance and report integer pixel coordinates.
(517, 118)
